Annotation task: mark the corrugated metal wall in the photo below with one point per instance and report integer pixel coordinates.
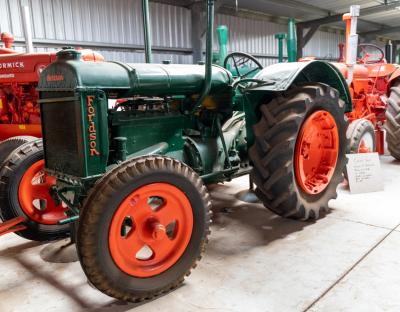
(116, 27)
(257, 37)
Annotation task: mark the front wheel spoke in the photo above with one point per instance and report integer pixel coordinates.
(131, 243)
(168, 214)
(40, 191)
(161, 249)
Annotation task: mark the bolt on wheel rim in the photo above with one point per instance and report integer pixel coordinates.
(150, 230)
(34, 196)
(316, 152)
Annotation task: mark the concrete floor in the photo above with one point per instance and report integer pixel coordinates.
(255, 261)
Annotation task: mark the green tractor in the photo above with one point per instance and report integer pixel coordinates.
(135, 175)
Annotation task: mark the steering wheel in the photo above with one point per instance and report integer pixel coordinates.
(370, 54)
(242, 64)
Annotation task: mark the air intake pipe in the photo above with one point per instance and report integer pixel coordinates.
(209, 42)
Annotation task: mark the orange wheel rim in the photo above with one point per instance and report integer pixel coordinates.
(363, 148)
(34, 196)
(366, 143)
(316, 152)
(150, 230)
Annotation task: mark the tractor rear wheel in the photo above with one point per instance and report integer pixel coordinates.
(392, 124)
(143, 227)
(7, 146)
(300, 151)
(361, 136)
(25, 191)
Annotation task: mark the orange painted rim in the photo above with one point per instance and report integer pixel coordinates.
(34, 196)
(316, 153)
(364, 148)
(366, 144)
(150, 230)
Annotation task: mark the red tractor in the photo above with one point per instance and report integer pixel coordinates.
(26, 193)
(375, 90)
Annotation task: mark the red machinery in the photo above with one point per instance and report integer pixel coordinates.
(19, 122)
(370, 81)
(19, 75)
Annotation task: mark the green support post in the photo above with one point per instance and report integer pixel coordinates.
(292, 41)
(222, 34)
(398, 56)
(280, 38)
(147, 30)
(209, 43)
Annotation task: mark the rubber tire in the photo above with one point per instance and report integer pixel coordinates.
(273, 151)
(7, 146)
(11, 174)
(99, 208)
(392, 124)
(356, 130)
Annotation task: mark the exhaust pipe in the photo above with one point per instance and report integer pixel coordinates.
(351, 40)
(147, 30)
(26, 20)
(209, 43)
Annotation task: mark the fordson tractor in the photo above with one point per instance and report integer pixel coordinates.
(133, 178)
(19, 124)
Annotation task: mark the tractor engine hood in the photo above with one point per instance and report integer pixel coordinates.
(125, 80)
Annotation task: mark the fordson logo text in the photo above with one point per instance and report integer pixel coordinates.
(92, 127)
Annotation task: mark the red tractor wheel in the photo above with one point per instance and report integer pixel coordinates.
(143, 227)
(25, 191)
(163, 220)
(317, 150)
(361, 136)
(300, 151)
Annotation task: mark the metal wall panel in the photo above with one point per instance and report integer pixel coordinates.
(324, 45)
(119, 22)
(257, 37)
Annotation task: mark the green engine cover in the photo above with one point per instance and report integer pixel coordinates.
(69, 72)
(83, 136)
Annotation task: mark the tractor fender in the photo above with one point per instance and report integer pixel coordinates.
(279, 77)
(393, 77)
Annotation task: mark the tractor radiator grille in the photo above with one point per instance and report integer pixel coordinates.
(62, 133)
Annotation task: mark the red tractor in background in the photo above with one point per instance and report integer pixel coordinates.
(375, 90)
(19, 75)
(26, 193)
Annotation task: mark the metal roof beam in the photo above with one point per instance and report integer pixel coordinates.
(383, 31)
(299, 6)
(338, 17)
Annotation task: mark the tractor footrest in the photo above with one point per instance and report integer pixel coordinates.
(13, 225)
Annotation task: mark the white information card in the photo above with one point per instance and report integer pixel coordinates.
(364, 173)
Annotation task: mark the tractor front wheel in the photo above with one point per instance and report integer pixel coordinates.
(300, 151)
(143, 227)
(25, 191)
(361, 136)
(392, 124)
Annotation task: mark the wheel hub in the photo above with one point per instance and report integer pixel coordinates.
(316, 152)
(150, 229)
(34, 196)
(158, 231)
